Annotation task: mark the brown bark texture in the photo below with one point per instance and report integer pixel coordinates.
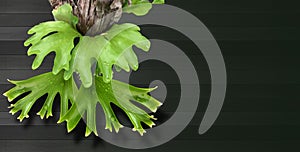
(95, 16)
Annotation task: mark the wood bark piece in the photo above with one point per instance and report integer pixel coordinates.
(95, 16)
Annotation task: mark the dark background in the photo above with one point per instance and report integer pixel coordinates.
(259, 40)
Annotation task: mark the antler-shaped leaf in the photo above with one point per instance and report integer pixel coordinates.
(85, 103)
(122, 95)
(60, 41)
(107, 49)
(54, 36)
(118, 93)
(38, 86)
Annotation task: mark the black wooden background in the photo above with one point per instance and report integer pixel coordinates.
(259, 40)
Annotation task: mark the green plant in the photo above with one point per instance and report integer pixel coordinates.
(112, 48)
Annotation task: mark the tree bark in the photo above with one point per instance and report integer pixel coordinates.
(95, 16)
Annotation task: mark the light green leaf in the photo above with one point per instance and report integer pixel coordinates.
(158, 2)
(118, 93)
(111, 48)
(122, 95)
(37, 87)
(140, 7)
(64, 13)
(52, 36)
(85, 104)
(84, 54)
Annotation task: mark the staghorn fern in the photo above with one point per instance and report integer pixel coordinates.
(112, 48)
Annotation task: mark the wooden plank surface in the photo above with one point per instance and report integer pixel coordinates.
(259, 41)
